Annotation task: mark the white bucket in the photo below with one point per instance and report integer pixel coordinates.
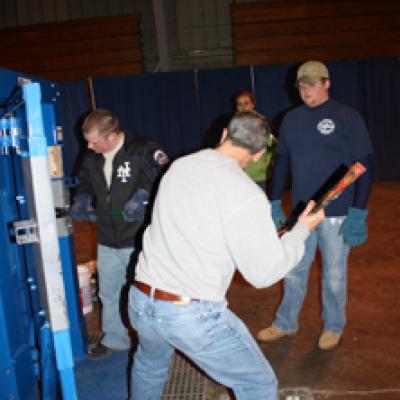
(84, 288)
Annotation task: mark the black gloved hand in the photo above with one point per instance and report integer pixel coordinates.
(82, 209)
(135, 208)
(354, 228)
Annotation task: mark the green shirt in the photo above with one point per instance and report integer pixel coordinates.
(257, 170)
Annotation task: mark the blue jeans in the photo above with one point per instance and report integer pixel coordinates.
(111, 267)
(334, 254)
(209, 334)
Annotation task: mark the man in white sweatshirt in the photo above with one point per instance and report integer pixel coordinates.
(209, 218)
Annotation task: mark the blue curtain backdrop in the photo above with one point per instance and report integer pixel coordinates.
(163, 107)
(216, 92)
(72, 105)
(275, 93)
(185, 111)
(382, 114)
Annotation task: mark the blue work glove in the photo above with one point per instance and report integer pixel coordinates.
(135, 208)
(277, 214)
(354, 229)
(82, 209)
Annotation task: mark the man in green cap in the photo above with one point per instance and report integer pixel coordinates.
(315, 140)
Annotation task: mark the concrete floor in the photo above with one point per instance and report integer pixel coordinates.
(367, 362)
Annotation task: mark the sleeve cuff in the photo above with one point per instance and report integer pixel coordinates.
(301, 230)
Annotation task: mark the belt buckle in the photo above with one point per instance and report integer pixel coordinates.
(184, 300)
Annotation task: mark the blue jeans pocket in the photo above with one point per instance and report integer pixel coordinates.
(195, 333)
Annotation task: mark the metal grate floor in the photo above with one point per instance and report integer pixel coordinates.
(185, 382)
(301, 393)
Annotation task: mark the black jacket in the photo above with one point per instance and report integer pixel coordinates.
(136, 165)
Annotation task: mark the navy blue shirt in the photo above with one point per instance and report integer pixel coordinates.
(317, 141)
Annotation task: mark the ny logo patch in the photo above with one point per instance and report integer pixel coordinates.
(124, 171)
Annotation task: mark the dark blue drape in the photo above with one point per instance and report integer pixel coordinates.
(217, 90)
(382, 114)
(162, 107)
(274, 90)
(72, 105)
(185, 111)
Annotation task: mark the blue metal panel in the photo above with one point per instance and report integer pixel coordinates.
(65, 364)
(17, 371)
(27, 347)
(49, 123)
(71, 284)
(76, 320)
(37, 139)
(48, 369)
(9, 80)
(48, 251)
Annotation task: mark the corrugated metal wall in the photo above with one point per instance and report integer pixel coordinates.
(201, 33)
(199, 30)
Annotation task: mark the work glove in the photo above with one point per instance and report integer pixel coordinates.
(354, 229)
(82, 209)
(135, 208)
(277, 214)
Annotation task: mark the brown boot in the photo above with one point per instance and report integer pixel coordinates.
(329, 340)
(272, 333)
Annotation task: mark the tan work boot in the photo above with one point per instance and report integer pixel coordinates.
(272, 333)
(329, 340)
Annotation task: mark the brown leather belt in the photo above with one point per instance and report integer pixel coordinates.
(162, 295)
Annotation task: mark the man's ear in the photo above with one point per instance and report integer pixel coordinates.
(224, 135)
(112, 137)
(258, 155)
(327, 84)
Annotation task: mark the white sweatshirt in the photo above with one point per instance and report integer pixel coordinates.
(209, 218)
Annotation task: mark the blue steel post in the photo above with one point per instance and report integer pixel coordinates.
(64, 231)
(49, 249)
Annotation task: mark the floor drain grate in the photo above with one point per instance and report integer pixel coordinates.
(295, 394)
(185, 381)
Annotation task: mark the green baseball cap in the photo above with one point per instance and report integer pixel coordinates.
(311, 72)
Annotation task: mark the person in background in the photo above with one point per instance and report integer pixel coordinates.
(209, 219)
(316, 139)
(117, 175)
(257, 170)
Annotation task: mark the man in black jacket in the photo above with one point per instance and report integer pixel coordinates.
(117, 175)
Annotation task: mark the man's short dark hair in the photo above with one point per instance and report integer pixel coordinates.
(249, 130)
(102, 120)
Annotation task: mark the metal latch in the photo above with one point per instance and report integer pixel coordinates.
(25, 231)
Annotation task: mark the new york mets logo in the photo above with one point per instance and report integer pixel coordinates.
(124, 171)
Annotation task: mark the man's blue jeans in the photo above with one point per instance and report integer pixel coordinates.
(334, 254)
(111, 267)
(209, 334)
